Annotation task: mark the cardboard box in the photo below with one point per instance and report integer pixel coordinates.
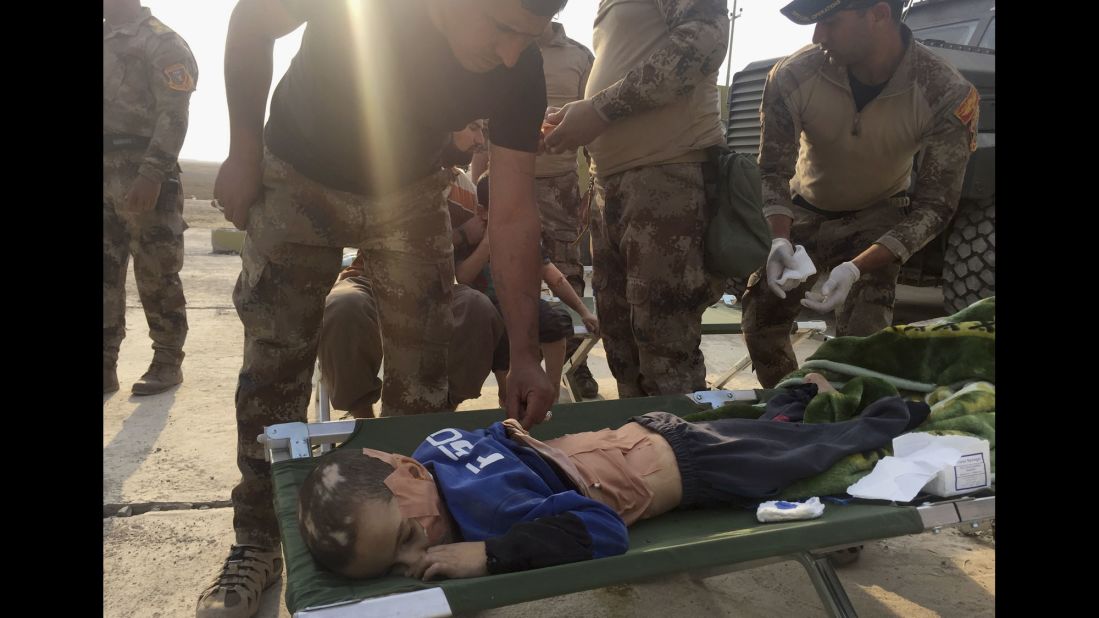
(971, 472)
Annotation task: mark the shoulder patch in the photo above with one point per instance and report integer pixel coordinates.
(158, 26)
(967, 109)
(179, 78)
(966, 112)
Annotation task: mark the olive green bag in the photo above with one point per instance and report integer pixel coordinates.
(738, 238)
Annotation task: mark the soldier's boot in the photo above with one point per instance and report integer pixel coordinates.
(110, 378)
(236, 591)
(844, 557)
(582, 376)
(589, 388)
(160, 377)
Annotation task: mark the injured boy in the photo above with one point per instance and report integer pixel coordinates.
(497, 500)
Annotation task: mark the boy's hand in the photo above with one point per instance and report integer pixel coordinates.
(474, 229)
(453, 560)
(591, 323)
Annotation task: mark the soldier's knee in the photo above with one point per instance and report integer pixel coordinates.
(347, 303)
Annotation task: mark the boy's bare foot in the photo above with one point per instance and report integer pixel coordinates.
(823, 386)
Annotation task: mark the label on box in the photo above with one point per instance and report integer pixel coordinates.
(969, 472)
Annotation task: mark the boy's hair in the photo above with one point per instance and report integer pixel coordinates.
(330, 500)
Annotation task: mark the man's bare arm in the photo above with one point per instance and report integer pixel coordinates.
(249, 48)
(514, 231)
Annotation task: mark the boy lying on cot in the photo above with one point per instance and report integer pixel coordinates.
(496, 500)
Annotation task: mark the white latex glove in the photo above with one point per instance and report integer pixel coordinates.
(793, 277)
(835, 290)
(779, 260)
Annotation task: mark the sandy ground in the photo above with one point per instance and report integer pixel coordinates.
(179, 447)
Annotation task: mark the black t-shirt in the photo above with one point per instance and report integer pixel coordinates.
(370, 113)
(863, 93)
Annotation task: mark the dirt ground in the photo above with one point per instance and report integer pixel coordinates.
(179, 447)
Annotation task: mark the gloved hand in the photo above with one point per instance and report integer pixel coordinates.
(835, 290)
(779, 259)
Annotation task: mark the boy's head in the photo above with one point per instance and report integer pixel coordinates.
(365, 513)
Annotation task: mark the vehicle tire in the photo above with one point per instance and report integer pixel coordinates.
(969, 264)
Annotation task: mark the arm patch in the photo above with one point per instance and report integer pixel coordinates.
(967, 113)
(179, 78)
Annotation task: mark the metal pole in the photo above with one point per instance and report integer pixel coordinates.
(729, 55)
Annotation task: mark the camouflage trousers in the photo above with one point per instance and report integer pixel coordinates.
(291, 256)
(559, 210)
(651, 286)
(155, 240)
(829, 242)
(350, 349)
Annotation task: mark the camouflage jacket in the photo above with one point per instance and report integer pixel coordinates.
(816, 144)
(149, 74)
(698, 37)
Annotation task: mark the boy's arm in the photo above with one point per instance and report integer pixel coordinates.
(567, 537)
(468, 269)
(548, 541)
(561, 288)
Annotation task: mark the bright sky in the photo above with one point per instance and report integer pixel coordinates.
(760, 32)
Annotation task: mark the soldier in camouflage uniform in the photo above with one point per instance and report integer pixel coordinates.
(566, 64)
(650, 114)
(350, 157)
(842, 120)
(148, 77)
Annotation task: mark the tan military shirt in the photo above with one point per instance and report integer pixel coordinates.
(149, 74)
(655, 78)
(815, 143)
(566, 64)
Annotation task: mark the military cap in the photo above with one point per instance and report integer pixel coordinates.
(805, 12)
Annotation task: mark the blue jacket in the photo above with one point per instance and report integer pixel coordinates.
(507, 495)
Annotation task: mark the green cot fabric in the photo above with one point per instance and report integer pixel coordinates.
(718, 319)
(672, 543)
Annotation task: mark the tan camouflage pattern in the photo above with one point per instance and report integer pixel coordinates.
(944, 147)
(291, 257)
(138, 101)
(558, 200)
(149, 74)
(566, 65)
(699, 34)
(155, 239)
(350, 347)
(651, 285)
(868, 308)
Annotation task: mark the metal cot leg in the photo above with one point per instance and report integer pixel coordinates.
(828, 585)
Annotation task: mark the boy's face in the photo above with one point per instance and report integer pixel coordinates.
(387, 542)
(394, 534)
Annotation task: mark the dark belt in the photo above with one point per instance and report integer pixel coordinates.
(837, 214)
(124, 142)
